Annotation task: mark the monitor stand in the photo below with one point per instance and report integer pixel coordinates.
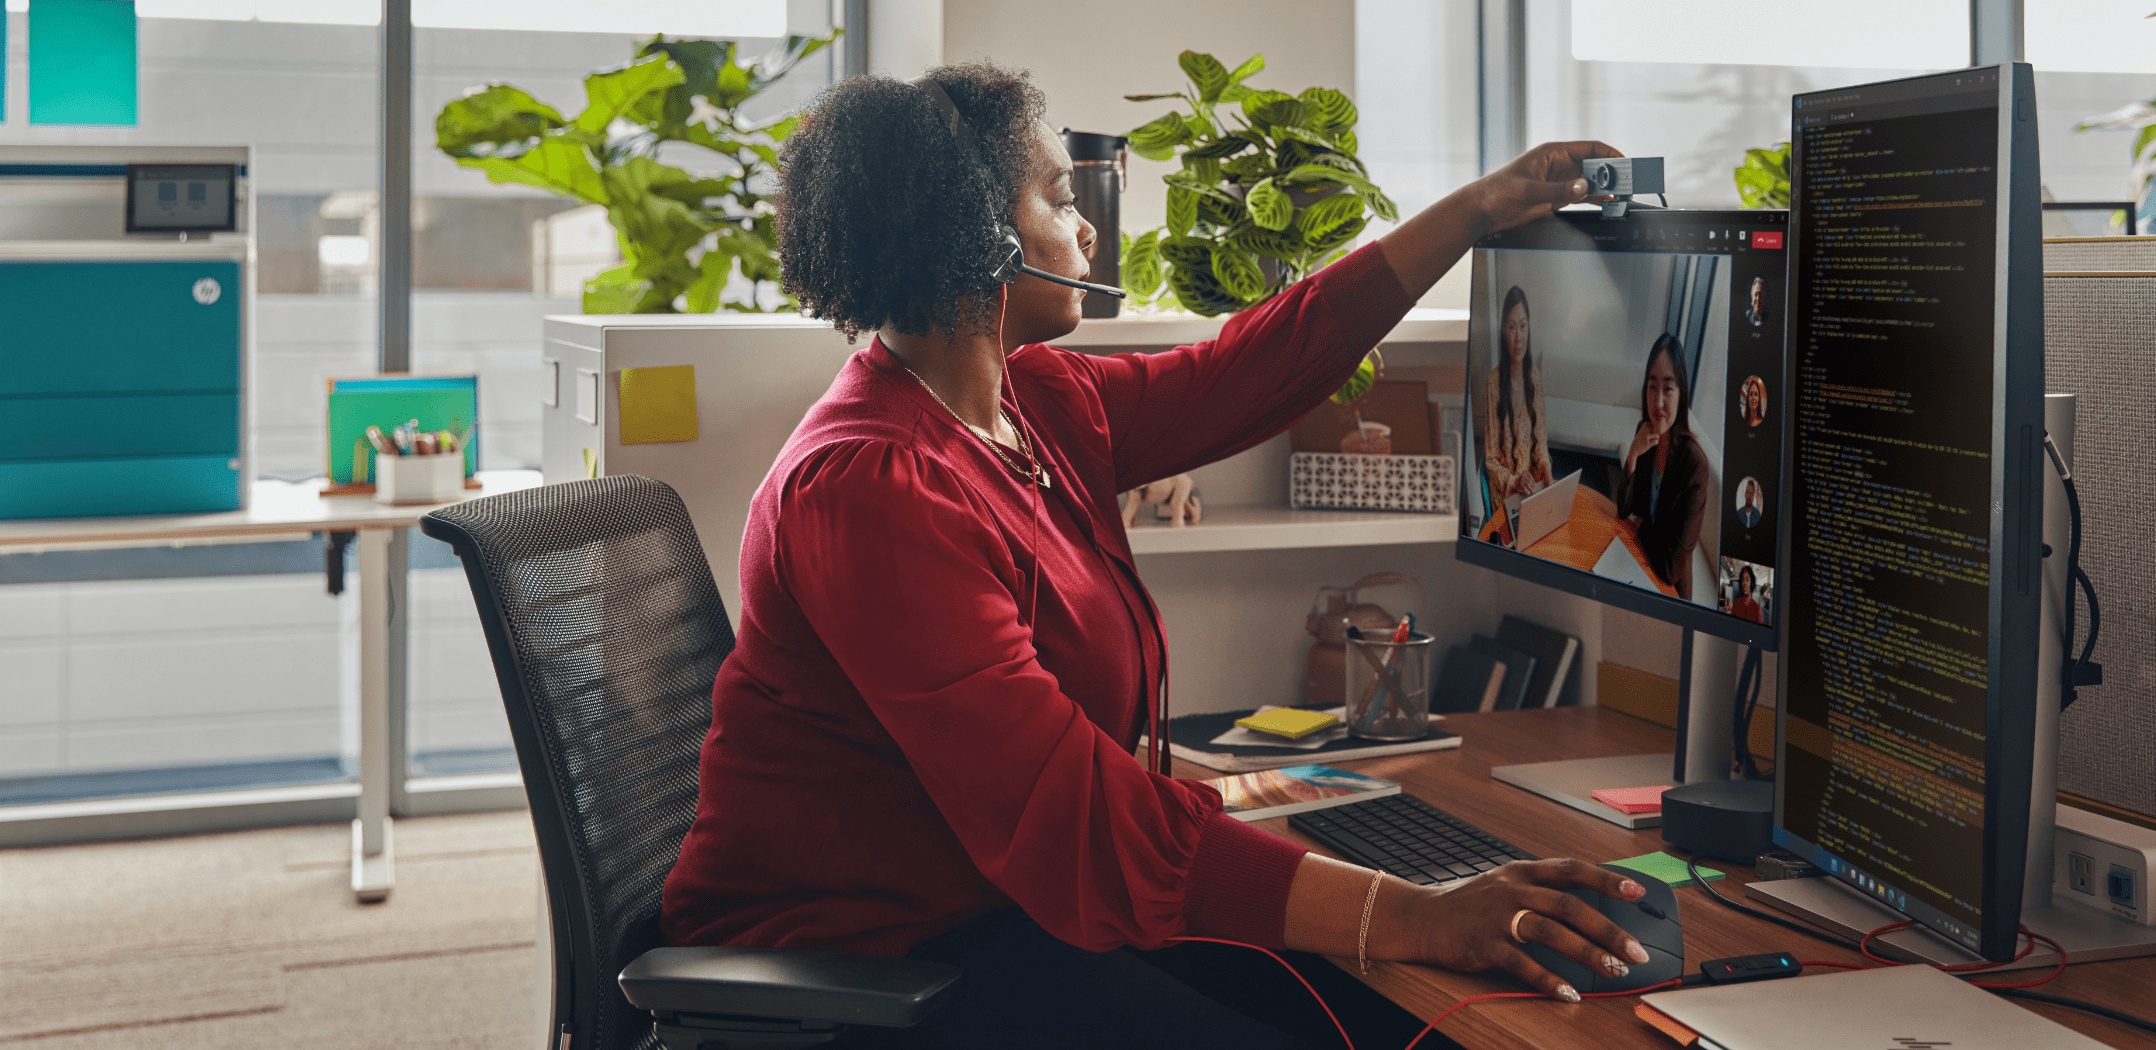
(2087, 934)
(1706, 698)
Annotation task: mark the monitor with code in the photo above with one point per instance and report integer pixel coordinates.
(1912, 517)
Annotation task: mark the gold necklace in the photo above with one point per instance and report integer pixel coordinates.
(1032, 471)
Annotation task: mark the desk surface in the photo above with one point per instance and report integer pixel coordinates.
(1459, 782)
(274, 508)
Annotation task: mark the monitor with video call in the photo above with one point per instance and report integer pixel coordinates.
(1641, 354)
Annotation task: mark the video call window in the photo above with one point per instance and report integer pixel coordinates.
(1620, 408)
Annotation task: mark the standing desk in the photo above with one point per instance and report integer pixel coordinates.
(1459, 782)
(279, 510)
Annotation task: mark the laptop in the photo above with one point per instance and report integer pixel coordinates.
(1540, 514)
(1894, 1008)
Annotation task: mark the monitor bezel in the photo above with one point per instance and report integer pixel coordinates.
(1466, 548)
(2016, 529)
(232, 191)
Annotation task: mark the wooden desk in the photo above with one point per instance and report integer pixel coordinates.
(1459, 782)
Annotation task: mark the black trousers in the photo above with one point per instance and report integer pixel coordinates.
(1024, 988)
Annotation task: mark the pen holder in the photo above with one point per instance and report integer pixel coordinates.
(418, 479)
(1388, 688)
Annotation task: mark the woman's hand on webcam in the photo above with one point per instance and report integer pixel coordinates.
(1536, 183)
(1469, 928)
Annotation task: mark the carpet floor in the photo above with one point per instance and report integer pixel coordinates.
(252, 939)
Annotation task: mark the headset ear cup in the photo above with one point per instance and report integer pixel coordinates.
(1008, 257)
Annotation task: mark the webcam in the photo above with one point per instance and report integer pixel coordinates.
(1622, 178)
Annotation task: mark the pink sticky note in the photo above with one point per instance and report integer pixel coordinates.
(1631, 800)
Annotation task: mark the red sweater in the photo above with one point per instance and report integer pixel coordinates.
(931, 709)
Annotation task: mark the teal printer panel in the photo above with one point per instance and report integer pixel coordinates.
(114, 426)
(120, 387)
(90, 488)
(119, 327)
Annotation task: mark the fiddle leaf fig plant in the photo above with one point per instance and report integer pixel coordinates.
(683, 236)
(1268, 191)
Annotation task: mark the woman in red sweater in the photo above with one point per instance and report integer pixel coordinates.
(923, 742)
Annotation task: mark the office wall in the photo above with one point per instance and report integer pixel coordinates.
(1087, 57)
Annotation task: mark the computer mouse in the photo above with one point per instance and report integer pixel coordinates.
(1651, 920)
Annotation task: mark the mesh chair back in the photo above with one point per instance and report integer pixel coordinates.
(606, 632)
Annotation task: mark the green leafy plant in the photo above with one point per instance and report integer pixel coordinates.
(1763, 178)
(683, 236)
(2140, 118)
(1269, 190)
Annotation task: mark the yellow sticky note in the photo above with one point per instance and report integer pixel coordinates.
(658, 404)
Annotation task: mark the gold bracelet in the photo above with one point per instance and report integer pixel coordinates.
(1362, 939)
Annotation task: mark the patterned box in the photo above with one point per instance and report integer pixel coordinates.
(1340, 481)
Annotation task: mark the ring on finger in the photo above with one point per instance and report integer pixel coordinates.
(1516, 917)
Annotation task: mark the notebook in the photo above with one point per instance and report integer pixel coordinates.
(1296, 789)
(1553, 651)
(1468, 680)
(1519, 676)
(1191, 738)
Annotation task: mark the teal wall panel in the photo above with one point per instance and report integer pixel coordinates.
(82, 62)
(119, 327)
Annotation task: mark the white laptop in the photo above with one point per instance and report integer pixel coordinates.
(1540, 514)
(1895, 1008)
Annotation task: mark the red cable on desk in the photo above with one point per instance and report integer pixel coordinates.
(1434, 1022)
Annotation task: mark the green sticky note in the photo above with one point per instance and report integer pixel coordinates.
(1666, 868)
(82, 62)
(658, 405)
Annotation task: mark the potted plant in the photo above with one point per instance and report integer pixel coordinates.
(1269, 191)
(683, 236)
(1763, 178)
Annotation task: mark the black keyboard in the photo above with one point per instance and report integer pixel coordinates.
(1408, 837)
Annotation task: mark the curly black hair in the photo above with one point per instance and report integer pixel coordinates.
(884, 217)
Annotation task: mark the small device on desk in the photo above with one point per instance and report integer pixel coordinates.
(1405, 836)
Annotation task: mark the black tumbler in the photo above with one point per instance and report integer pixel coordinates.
(1098, 173)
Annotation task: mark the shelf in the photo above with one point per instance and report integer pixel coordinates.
(1278, 528)
(1421, 325)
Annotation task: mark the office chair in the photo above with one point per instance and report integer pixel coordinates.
(606, 631)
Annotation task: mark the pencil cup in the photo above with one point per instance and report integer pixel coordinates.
(1388, 688)
(418, 479)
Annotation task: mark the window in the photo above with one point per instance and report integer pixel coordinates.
(1600, 69)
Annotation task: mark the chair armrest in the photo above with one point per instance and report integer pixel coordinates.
(788, 984)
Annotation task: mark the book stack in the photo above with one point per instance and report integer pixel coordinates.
(1526, 665)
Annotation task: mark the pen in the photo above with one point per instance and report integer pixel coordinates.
(381, 441)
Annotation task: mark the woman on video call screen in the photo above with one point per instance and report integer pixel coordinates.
(1666, 474)
(1515, 427)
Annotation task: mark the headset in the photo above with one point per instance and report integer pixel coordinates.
(1007, 260)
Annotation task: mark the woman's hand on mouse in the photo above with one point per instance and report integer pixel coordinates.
(1469, 927)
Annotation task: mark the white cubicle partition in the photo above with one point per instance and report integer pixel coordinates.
(1233, 591)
